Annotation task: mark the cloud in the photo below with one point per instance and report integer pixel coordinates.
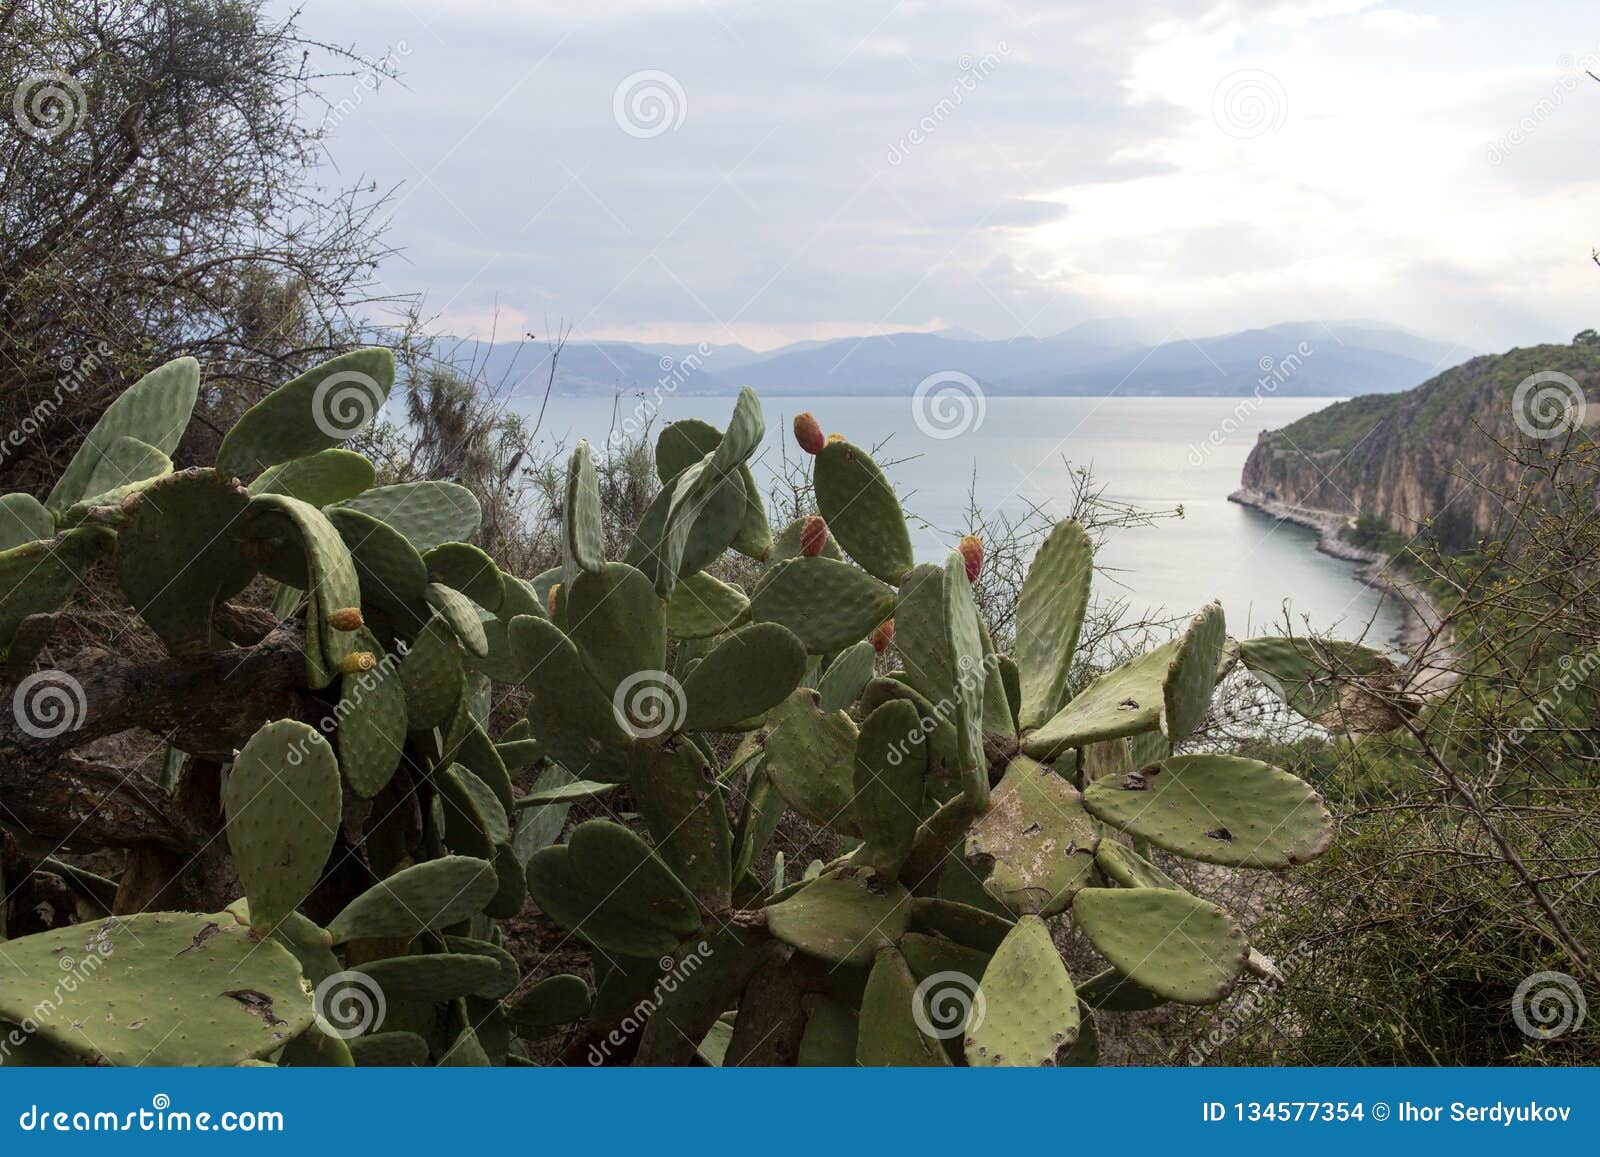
(1005, 167)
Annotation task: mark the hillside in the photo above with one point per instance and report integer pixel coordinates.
(1415, 455)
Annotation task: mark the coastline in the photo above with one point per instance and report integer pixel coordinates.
(1423, 616)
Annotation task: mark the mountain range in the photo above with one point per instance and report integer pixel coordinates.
(1306, 359)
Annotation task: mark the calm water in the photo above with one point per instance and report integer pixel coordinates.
(1153, 453)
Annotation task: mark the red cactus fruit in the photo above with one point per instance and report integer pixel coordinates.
(971, 548)
(813, 536)
(808, 432)
(883, 636)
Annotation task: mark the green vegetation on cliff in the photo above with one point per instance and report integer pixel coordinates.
(1435, 457)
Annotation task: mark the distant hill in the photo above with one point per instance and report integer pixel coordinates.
(1306, 359)
(1406, 457)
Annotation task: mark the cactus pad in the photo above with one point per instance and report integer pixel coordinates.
(427, 513)
(843, 919)
(177, 555)
(891, 763)
(319, 479)
(126, 462)
(810, 757)
(23, 519)
(1340, 685)
(1127, 867)
(615, 620)
(829, 605)
(678, 795)
(1171, 943)
(434, 977)
(703, 606)
(319, 409)
(426, 896)
(1038, 837)
(1193, 674)
(38, 577)
(606, 885)
(847, 676)
(575, 721)
(1219, 809)
(747, 673)
(283, 807)
(1030, 1011)
(551, 1003)
(431, 676)
(155, 410)
(1050, 612)
(583, 541)
(372, 725)
(961, 923)
(889, 1033)
(1126, 701)
(468, 570)
(862, 511)
(459, 614)
(158, 988)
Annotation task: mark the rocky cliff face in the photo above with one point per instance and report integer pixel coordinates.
(1435, 452)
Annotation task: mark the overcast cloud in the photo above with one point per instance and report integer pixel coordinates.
(823, 169)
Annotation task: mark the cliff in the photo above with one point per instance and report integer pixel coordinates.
(1434, 452)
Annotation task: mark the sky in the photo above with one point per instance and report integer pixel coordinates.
(744, 171)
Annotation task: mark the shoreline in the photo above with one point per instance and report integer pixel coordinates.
(1422, 614)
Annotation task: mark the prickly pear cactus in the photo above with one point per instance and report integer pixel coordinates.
(990, 803)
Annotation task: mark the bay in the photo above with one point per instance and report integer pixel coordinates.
(1016, 453)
